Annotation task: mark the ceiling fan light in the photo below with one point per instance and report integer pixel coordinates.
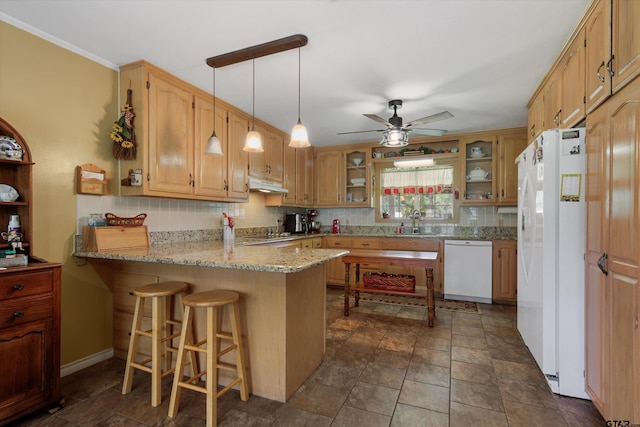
(214, 147)
(299, 137)
(253, 143)
(395, 138)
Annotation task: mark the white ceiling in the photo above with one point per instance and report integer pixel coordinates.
(479, 59)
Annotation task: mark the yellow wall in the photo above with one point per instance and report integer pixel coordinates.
(63, 105)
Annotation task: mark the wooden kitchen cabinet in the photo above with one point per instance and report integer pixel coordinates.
(337, 175)
(335, 267)
(535, 117)
(478, 158)
(625, 43)
(172, 124)
(552, 100)
(29, 306)
(298, 179)
(612, 265)
(268, 164)
(305, 168)
(572, 69)
(505, 271)
(597, 54)
(508, 148)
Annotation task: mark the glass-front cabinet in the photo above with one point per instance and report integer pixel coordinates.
(479, 173)
(356, 178)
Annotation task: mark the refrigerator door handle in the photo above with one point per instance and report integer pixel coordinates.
(601, 264)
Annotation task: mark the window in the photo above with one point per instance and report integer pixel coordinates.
(429, 190)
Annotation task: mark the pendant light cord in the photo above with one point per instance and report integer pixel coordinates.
(298, 83)
(214, 100)
(253, 106)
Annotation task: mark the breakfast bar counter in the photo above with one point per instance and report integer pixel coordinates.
(282, 300)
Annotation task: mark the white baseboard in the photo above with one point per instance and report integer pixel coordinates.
(79, 365)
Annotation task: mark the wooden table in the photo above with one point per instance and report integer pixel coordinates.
(401, 258)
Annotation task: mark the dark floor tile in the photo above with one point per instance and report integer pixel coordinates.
(471, 321)
(430, 374)
(468, 331)
(432, 357)
(385, 375)
(502, 341)
(256, 405)
(93, 411)
(479, 343)
(466, 415)
(373, 398)
(513, 354)
(425, 396)
(579, 412)
(528, 393)
(474, 394)
(293, 417)
(320, 399)
(410, 416)
(117, 420)
(517, 371)
(471, 355)
(334, 373)
(398, 342)
(235, 418)
(349, 417)
(434, 342)
(521, 415)
(473, 372)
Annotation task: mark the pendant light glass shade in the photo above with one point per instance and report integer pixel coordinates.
(299, 136)
(214, 147)
(253, 143)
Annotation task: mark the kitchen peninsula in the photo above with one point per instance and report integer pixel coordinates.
(282, 303)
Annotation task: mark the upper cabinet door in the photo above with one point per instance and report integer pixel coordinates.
(329, 171)
(509, 147)
(210, 171)
(237, 158)
(573, 82)
(597, 53)
(625, 40)
(170, 137)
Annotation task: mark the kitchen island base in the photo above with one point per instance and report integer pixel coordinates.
(282, 315)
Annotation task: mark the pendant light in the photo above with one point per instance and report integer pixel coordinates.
(253, 143)
(214, 147)
(299, 137)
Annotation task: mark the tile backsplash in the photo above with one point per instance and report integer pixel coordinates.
(175, 215)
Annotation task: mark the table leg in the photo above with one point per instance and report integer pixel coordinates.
(431, 303)
(346, 288)
(357, 297)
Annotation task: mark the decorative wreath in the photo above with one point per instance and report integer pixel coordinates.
(122, 134)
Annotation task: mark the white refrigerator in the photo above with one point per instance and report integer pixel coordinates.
(551, 247)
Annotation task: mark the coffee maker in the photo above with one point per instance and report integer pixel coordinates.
(295, 223)
(312, 224)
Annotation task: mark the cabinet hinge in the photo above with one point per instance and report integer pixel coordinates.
(584, 99)
(148, 177)
(193, 105)
(148, 84)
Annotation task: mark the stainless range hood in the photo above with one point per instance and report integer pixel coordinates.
(264, 186)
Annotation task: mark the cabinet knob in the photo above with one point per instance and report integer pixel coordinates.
(18, 314)
(18, 287)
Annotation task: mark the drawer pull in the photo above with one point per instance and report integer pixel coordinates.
(18, 314)
(365, 244)
(18, 287)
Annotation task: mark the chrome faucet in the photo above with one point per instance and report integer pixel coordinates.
(415, 216)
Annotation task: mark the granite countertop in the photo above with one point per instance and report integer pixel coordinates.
(221, 254)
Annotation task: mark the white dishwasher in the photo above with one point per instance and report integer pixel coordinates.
(467, 270)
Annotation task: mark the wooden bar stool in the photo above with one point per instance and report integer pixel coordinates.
(211, 300)
(163, 325)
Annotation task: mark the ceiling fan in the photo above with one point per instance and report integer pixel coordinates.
(396, 134)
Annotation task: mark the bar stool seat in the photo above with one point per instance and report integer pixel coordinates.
(211, 301)
(163, 325)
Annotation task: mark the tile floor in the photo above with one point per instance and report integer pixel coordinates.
(383, 367)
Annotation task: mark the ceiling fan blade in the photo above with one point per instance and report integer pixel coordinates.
(378, 119)
(361, 131)
(430, 119)
(430, 132)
